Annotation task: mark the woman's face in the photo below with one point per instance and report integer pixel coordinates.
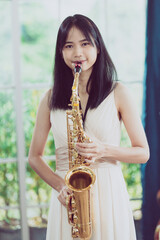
(78, 49)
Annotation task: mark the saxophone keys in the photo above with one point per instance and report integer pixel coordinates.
(75, 232)
(68, 202)
(75, 218)
(87, 164)
(75, 156)
(72, 218)
(76, 104)
(73, 203)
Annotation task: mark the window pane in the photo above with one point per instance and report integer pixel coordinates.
(38, 28)
(9, 188)
(7, 125)
(126, 37)
(5, 43)
(9, 196)
(131, 172)
(88, 8)
(136, 90)
(93, 9)
(31, 101)
(38, 192)
(37, 217)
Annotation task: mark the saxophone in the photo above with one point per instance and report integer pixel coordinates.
(80, 177)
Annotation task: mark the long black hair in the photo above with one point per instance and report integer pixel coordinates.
(103, 75)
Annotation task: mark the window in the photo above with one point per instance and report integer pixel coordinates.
(125, 39)
(26, 63)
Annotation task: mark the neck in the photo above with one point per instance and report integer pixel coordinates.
(82, 86)
(83, 80)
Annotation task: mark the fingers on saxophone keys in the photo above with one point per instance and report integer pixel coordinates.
(87, 156)
(63, 195)
(69, 192)
(66, 191)
(90, 159)
(85, 145)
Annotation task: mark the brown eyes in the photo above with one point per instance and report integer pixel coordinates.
(85, 43)
(71, 45)
(68, 46)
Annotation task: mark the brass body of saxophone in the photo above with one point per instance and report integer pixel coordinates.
(80, 177)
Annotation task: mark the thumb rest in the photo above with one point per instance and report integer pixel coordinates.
(79, 178)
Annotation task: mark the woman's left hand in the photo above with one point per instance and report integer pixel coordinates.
(90, 151)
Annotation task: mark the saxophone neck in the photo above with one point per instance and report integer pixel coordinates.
(78, 67)
(77, 71)
(75, 84)
(75, 97)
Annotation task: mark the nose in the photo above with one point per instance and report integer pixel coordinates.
(77, 51)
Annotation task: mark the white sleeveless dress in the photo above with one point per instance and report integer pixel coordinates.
(112, 215)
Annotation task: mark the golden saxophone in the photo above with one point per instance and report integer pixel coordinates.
(79, 178)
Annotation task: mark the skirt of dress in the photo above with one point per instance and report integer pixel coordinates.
(112, 217)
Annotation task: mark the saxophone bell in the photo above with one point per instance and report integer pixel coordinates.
(80, 180)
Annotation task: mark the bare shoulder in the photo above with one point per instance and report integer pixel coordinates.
(123, 97)
(45, 99)
(120, 90)
(43, 112)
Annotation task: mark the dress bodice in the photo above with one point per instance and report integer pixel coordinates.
(101, 124)
(111, 212)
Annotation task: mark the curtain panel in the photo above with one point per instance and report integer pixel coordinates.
(151, 117)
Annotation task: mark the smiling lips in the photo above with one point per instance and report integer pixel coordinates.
(79, 62)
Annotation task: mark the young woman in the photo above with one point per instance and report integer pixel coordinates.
(105, 104)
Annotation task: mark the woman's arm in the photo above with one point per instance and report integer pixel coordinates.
(41, 130)
(139, 150)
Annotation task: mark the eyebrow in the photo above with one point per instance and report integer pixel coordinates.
(83, 40)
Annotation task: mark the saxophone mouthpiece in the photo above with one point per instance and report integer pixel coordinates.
(77, 67)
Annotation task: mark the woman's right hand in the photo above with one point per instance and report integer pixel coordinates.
(63, 194)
